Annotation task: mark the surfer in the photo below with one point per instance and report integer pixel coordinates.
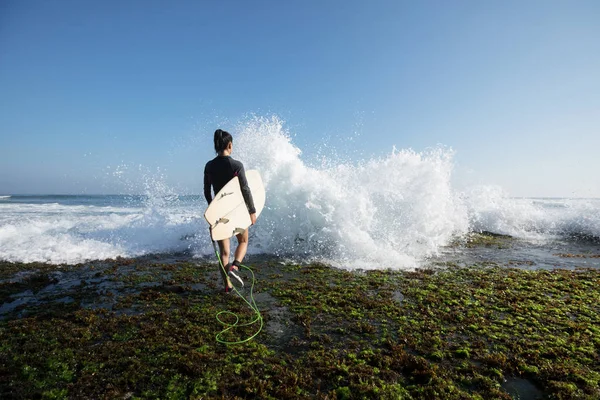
(217, 173)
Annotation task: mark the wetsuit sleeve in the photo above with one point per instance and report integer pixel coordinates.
(245, 189)
(207, 183)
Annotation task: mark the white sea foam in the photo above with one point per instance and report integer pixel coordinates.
(72, 236)
(491, 209)
(387, 212)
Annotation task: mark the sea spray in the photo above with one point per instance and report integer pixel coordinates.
(392, 211)
(163, 217)
(380, 213)
(63, 229)
(56, 233)
(490, 208)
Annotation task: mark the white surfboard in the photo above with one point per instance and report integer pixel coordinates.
(227, 213)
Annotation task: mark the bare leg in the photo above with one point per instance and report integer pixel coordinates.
(224, 247)
(242, 247)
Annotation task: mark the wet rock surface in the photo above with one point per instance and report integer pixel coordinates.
(146, 328)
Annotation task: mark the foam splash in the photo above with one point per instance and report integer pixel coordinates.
(490, 208)
(386, 212)
(393, 211)
(64, 233)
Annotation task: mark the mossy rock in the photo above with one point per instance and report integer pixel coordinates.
(456, 334)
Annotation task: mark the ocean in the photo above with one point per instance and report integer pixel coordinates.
(400, 211)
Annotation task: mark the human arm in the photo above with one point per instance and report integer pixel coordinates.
(207, 184)
(246, 193)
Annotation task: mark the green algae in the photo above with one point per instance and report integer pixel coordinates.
(488, 239)
(483, 239)
(457, 333)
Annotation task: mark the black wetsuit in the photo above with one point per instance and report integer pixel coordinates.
(221, 170)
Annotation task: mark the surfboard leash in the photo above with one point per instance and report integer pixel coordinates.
(252, 304)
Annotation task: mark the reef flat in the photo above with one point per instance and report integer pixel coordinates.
(145, 328)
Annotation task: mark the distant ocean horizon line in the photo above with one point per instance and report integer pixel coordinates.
(87, 195)
(22, 195)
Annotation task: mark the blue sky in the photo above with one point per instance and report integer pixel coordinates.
(512, 86)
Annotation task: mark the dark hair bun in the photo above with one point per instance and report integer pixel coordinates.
(222, 140)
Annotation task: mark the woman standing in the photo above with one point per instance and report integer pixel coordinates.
(217, 173)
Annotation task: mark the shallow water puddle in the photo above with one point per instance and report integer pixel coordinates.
(21, 299)
(278, 322)
(521, 389)
(398, 297)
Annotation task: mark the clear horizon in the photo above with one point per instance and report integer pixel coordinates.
(88, 88)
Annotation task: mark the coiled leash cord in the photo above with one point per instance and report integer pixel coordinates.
(252, 304)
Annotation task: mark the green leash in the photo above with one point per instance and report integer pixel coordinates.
(252, 304)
